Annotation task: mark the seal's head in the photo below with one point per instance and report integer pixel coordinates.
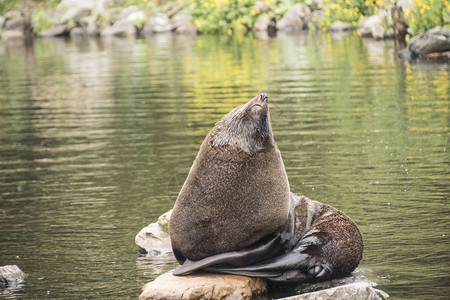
(246, 127)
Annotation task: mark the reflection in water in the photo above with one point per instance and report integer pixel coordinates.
(96, 138)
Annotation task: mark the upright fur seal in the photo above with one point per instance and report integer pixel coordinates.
(235, 214)
(237, 190)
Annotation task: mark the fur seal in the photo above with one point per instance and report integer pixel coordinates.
(237, 190)
(266, 231)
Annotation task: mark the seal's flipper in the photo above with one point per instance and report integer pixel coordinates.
(303, 263)
(291, 267)
(262, 250)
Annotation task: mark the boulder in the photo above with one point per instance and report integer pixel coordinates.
(375, 26)
(203, 286)
(294, 20)
(13, 14)
(15, 23)
(262, 23)
(339, 26)
(352, 291)
(11, 275)
(181, 19)
(60, 30)
(263, 8)
(121, 28)
(73, 10)
(187, 29)
(155, 237)
(78, 32)
(158, 23)
(436, 39)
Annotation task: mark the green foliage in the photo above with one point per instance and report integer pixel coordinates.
(427, 14)
(40, 21)
(7, 5)
(224, 16)
(347, 10)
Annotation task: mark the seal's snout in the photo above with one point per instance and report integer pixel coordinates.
(263, 97)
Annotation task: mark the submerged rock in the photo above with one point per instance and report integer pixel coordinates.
(203, 286)
(11, 275)
(155, 237)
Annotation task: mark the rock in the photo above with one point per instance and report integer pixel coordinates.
(294, 20)
(60, 30)
(172, 8)
(187, 29)
(126, 12)
(375, 26)
(121, 28)
(15, 23)
(11, 275)
(8, 35)
(203, 286)
(315, 4)
(181, 19)
(436, 39)
(339, 26)
(78, 32)
(73, 10)
(352, 291)
(2, 22)
(158, 23)
(134, 14)
(263, 8)
(155, 237)
(13, 14)
(262, 23)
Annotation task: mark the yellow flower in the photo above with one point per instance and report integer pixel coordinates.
(197, 23)
(407, 11)
(229, 31)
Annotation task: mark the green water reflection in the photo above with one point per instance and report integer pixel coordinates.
(96, 138)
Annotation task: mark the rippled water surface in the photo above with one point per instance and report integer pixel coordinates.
(96, 138)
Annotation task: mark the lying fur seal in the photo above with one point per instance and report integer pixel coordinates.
(235, 214)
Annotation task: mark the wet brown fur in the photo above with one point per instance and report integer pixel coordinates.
(237, 190)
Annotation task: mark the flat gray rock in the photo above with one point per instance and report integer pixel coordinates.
(11, 275)
(352, 291)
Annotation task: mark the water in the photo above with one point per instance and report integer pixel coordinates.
(97, 137)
